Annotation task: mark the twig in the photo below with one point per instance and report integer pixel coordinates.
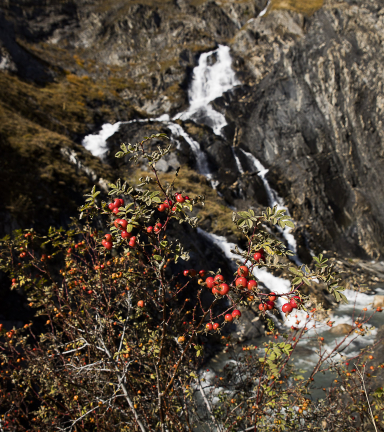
(208, 405)
(366, 395)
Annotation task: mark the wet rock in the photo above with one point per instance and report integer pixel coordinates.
(341, 329)
(378, 301)
(249, 325)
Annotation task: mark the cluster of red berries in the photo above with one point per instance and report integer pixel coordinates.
(269, 304)
(156, 229)
(193, 273)
(168, 203)
(242, 281)
(217, 284)
(236, 314)
(259, 255)
(294, 303)
(114, 207)
(120, 224)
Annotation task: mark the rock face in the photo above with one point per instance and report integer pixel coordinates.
(310, 105)
(314, 117)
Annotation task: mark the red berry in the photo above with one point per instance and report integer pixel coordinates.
(108, 237)
(209, 326)
(115, 210)
(156, 230)
(215, 291)
(121, 224)
(149, 229)
(125, 234)
(111, 206)
(13, 280)
(140, 303)
(186, 198)
(161, 208)
(216, 326)
(295, 301)
(202, 273)
(272, 296)
(174, 209)
(210, 282)
(228, 317)
(192, 272)
(263, 307)
(236, 313)
(116, 202)
(90, 292)
(180, 199)
(186, 272)
(107, 244)
(218, 279)
(121, 202)
(223, 289)
(158, 225)
(132, 241)
(251, 284)
(243, 271)
(117, 223)
(287, 308)
(270, 304)
(257, 256)
(241, 282)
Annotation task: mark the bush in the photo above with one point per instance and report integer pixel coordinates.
(117, 340)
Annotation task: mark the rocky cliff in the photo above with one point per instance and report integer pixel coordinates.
(308, 104)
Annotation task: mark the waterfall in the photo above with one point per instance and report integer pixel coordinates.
(264, 11)
(97, 143)
(210, 80)
(237, 160)
(275, 200)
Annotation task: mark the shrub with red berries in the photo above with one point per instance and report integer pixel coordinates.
(122, 340)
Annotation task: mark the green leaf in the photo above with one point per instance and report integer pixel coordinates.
(295, 271)
(157, 257)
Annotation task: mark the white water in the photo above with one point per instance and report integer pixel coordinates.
(273, 283)
(237, 160)
(264, 11)
(275, 200)
(209, 82)
(97, 143)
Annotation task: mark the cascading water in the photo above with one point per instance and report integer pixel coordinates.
(97, 143)
(275, 200)
(210, 80)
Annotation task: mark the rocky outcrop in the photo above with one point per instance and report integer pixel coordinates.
(309, 106)
(313, 115)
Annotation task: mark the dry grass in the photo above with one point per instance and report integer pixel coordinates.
(188, 182)
(306, 7)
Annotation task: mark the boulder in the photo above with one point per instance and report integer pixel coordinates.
(341, 329)
(378, 301)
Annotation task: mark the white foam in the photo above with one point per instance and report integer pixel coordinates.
(264, 11)
(209, 82)
(97, 143)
